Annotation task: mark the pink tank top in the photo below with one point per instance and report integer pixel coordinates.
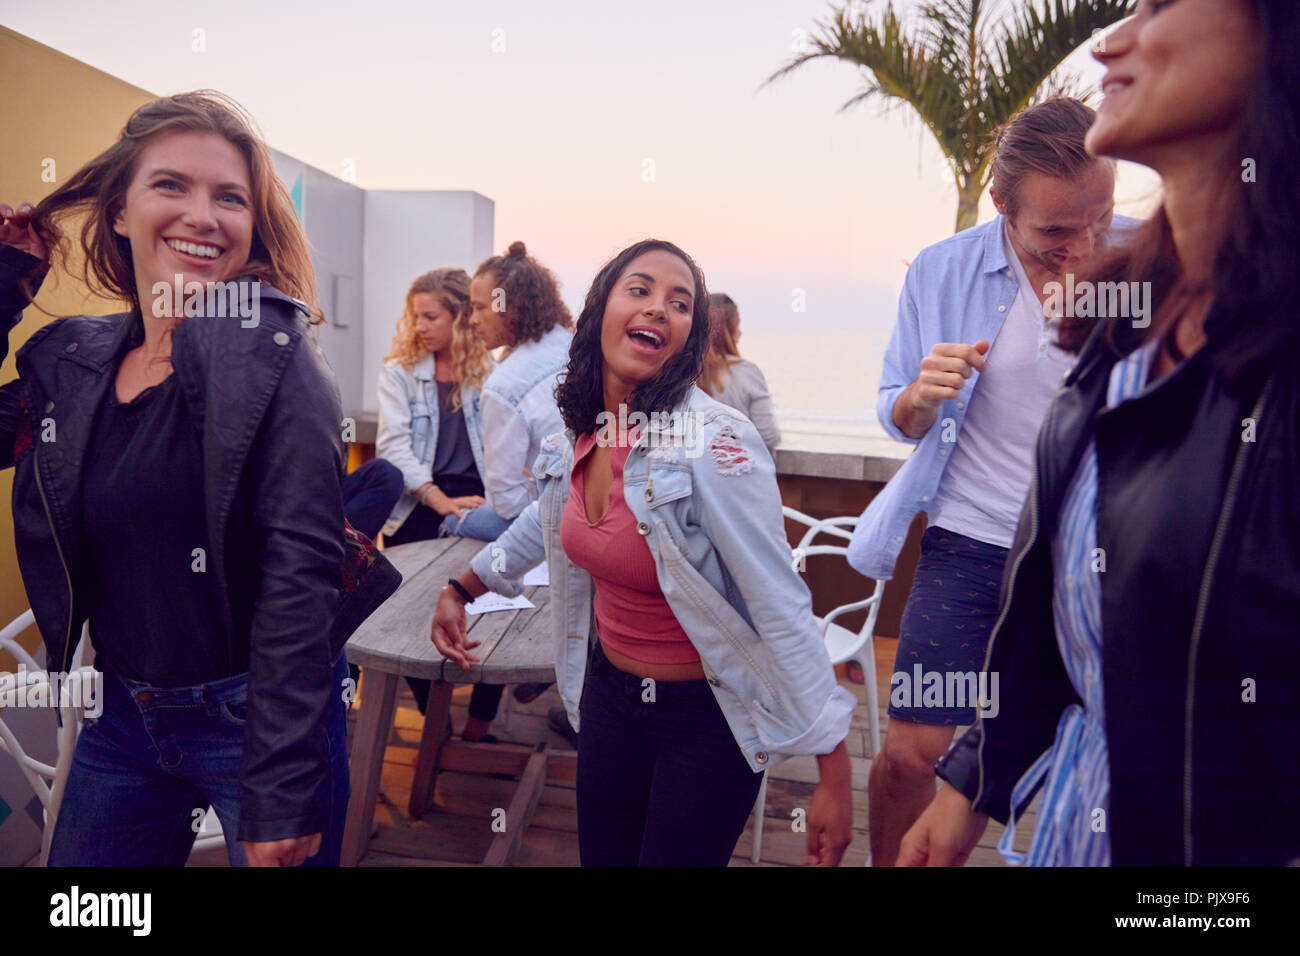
(632, 615)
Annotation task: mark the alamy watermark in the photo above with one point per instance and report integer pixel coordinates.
(661, 431)
(945, 689)
(181, 299)
(1100, 300)
(80, 688)
(132, 911)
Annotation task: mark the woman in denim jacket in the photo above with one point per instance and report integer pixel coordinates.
(707, 665)
(430, 383)
(516, 306)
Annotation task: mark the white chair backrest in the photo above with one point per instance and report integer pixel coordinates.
(46, 780)
(841, 528)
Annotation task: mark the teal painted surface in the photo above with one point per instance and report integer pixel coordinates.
(296, 195)
(4, 811)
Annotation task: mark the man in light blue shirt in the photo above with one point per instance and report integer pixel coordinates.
(968, 374)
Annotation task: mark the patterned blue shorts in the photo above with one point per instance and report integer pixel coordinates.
(945, 629)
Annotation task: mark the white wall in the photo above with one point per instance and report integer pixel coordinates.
(334, 217)
(407, 233)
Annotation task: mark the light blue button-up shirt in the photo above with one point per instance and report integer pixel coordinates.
(957, 290)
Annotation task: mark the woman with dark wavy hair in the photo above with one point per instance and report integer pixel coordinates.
(515, 305)
(1146, 640)
(176, 484)
(684, 639)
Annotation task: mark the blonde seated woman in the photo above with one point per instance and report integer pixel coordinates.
(427, 479)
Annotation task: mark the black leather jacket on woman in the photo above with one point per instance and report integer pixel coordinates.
(268, 410)
(1198, 519)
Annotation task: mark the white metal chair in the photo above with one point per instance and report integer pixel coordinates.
(48, 781)
(841, 643)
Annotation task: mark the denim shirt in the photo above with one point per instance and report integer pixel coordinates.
(957, 290)
(518, 410)
(703, 489)
(408, 428)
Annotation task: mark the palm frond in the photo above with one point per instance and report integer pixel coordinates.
(965, 67)
(1033, 41)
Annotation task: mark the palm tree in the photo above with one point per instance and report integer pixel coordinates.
(962, 70)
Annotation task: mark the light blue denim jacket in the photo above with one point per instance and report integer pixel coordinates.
(957, 290)
(408, 428)
(703, 489)
(518, 410)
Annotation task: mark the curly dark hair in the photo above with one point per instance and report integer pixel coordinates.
(531, 293)
(581, 392)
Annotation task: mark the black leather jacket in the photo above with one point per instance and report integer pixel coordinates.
(1200, 612)
(268, 407)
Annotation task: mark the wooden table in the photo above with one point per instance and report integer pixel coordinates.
(394, 642)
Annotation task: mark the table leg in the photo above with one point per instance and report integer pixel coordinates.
(505, 845)
(373, 727)
(437, 714)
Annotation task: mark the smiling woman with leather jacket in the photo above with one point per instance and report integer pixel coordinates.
(177, 475)
(1147, 638)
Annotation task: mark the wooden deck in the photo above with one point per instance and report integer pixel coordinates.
(459, 829)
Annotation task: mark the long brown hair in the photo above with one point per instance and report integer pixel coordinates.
(278, 255)
(469, 358)
(724, 324)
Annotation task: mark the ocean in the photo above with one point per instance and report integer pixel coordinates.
(823, 384)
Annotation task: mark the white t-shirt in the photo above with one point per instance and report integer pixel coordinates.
(984, 486)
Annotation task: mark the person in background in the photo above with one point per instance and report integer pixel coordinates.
(429, 424)
(1147, 640)
(425, 479)
(731, 379)
(685, 642)
(969, 370)
(515, 305)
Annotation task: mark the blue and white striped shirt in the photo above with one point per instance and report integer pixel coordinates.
(1072, 826)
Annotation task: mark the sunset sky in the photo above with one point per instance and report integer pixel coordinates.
(590, 125)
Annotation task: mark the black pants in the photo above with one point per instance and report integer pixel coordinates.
(661, 780)
(421, 525)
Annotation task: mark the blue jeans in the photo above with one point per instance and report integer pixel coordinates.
(662, 781)
(145, 771)
(369, 494)
(482, 523)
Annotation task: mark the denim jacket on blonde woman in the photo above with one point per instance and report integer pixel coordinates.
(703, 489)
(408, 428)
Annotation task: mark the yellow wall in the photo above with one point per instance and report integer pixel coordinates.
(55, 108)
